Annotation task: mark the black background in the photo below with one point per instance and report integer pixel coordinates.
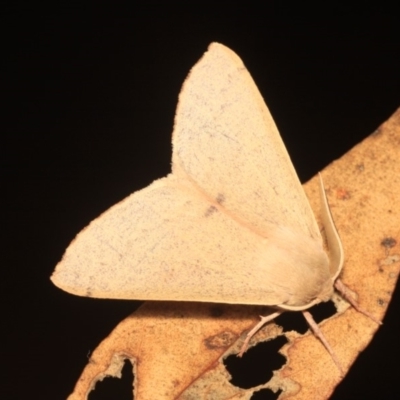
(89, 105)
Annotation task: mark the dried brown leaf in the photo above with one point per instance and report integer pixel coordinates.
(177, 348)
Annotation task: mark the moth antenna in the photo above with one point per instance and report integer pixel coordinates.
(318, 333)
(256, 328)
(345, 292)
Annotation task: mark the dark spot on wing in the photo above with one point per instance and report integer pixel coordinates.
(210, 210)
(213, 209)
(220, 198)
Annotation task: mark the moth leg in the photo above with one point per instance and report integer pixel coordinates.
(345, 292)
(318, 333)
(256, 328)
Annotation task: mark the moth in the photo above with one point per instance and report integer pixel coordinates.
(231, 222)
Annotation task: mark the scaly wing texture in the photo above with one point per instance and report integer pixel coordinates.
(231, 224)
(226, 142)
(166, 243)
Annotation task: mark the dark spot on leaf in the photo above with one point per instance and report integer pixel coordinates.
(388, 242)
(381, 302)
(360, 167)
(343, 194)
(176, 382)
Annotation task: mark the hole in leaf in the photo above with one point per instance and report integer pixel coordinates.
(115, 388)
(295, 321)
(265, 394)
(323, 311)
(257, 364)
(292, 321)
